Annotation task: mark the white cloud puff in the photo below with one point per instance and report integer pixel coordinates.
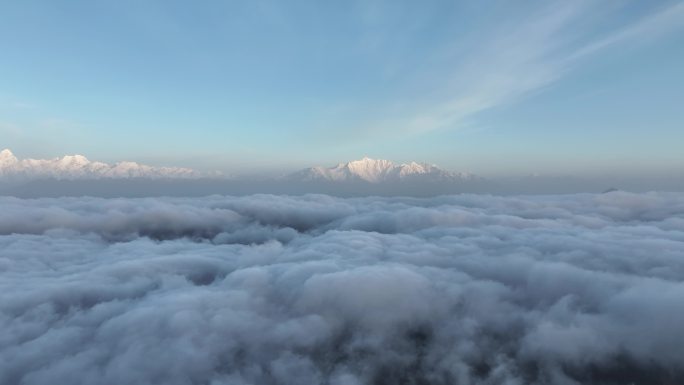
(318, 290)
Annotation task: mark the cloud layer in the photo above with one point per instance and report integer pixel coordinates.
(319, 290)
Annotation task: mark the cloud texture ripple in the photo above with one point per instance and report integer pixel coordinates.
(575, 289)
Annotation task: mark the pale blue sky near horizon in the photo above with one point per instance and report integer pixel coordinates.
(491, 87)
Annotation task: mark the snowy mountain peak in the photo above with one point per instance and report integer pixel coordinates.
(80, 167)
(371, 170)
(74, 161)
(6, 154)
(377, 171)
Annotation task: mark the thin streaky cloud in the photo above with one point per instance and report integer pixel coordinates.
(525, 58)
(666, 20)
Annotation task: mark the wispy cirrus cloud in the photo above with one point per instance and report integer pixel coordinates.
(524, 56)
(663, 21)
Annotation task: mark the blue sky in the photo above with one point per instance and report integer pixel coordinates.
(492, 87)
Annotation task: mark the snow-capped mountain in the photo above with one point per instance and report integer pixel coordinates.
(379, 171)
(79, 167)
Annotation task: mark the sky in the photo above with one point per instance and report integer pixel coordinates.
(492, 87)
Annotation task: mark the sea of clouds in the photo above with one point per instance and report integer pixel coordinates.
(468, 289)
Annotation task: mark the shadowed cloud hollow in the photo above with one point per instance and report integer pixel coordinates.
(319, 290)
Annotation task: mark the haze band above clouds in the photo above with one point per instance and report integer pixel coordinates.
(319, 290)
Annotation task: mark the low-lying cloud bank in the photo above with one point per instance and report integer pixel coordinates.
(142, 187)
(575, 289)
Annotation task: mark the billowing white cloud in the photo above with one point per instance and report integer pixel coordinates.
(318, 290)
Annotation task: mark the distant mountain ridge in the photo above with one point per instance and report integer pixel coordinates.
(379, 171)
(375, 174)
(71, 167)
(75, 175)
